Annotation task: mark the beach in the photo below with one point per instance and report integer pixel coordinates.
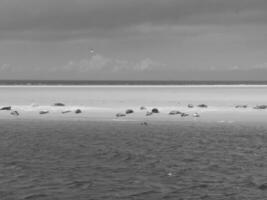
(94, 154)
(104, 102)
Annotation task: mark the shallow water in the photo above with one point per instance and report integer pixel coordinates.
(126, 160)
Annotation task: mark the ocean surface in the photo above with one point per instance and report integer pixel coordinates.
(70, 156)
(45, 160)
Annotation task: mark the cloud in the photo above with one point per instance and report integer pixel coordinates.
(5, 67)
(101, 63)
(236, 68)
(260, 66)
(257, 67)
(9, 68)
(68, 19)
(97, 62)
(146, 64)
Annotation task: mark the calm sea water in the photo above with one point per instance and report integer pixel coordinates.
(44, 160)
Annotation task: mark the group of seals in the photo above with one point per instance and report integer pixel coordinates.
(130, 111)
(42, 112)
(241, 106)
(260, 107)
(200, 106)
(77, 111)
(177, 112)
(9, 108)
(156, 110)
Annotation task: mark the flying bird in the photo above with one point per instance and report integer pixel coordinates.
(92, 51)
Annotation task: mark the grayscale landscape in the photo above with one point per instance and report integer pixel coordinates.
(133, 99)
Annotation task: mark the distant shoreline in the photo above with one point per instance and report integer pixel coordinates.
(128, 83)
(134, 86)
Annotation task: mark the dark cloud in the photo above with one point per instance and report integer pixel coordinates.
(73, 18)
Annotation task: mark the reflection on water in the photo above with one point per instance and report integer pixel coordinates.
(125, 160)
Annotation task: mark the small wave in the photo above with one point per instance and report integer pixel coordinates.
(79, 184)
(35, 196)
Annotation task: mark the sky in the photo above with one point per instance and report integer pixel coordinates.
(133, 39)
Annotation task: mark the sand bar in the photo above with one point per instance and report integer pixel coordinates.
(104, 102)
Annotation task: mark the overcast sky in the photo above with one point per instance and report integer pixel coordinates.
(133, 39)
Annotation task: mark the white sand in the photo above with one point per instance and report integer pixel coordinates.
(104, 102)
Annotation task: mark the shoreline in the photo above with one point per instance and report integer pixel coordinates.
(150, 124)
(142, 86)
(176, 102)
(232, 115)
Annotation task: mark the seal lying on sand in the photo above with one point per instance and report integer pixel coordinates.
(174, 112)
(78, 111)
(241, 106)
(190, 106)
(120, 115)
(15, 113)
(65, 111)
(202, 106)
(59, 104)
(6, 108)
(42, 112)
(129, 111)
(184, 115)
(260, 107)
(155, 110)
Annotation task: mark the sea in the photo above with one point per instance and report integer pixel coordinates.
(104, 160)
